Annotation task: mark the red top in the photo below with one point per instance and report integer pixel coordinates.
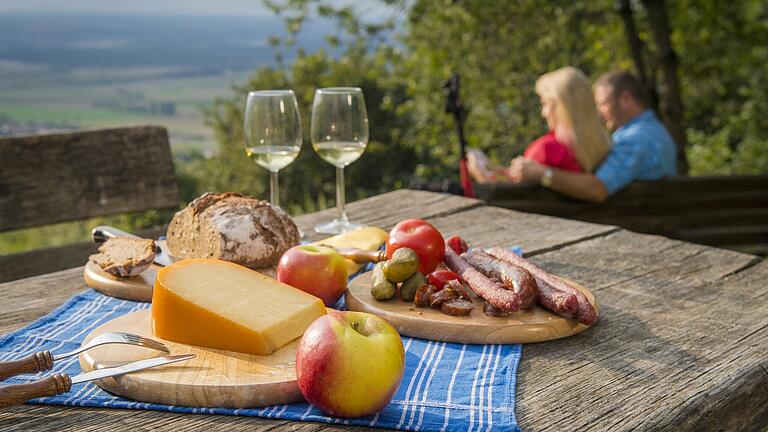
(548, 150)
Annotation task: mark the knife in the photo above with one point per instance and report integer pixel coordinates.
(16, 394)
(103, 233)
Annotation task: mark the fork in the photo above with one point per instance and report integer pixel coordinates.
(43, 360)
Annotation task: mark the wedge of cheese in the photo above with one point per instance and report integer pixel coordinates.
(218, 304)
(366, 238)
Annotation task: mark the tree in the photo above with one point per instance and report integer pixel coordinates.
(499, 49)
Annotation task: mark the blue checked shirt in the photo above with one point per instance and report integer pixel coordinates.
(642, 149)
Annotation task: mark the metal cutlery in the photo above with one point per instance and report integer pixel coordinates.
(53, 385)
(43, 360)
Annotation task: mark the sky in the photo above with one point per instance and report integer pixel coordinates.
(150, 7)
(169, 7)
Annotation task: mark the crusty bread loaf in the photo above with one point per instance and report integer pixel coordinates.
(125, 256)
(232, 227)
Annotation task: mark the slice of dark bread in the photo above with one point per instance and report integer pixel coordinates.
(125, 256)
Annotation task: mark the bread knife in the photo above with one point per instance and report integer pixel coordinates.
(53, 385)
(104, 232)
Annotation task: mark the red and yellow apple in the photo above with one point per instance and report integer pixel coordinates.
(318, 270)
(349, 364)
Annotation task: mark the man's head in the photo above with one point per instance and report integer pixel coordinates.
(619, 97)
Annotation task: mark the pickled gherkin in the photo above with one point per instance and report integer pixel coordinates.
(402, 265)
(381, 288)
(409, 287)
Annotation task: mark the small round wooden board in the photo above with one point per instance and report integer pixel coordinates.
(137, 288)
(214, 378)
(534, 325)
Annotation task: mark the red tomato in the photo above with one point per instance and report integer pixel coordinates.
(423, 238)
(457, 244)
(440, 277)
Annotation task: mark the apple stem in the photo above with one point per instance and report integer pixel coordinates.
(356, 326)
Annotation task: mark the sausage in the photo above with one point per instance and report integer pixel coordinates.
(491, 291)
(492, 311)
(513, 277)
(559, 302)
(585, 312)
(421, 299)
(457, 307)
(459, 288)
(438, 298)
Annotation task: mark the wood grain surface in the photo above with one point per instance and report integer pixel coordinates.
(682, 342)
(534, 325)
(214, 378)
(93, 173)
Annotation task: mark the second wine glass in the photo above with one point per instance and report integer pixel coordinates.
(272, 127)
(339, 131)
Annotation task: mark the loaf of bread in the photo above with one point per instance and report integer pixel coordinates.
(125, 256)
(232, 227)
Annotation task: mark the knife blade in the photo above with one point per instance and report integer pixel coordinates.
(15, 394)
(103, 233)
(130, 367)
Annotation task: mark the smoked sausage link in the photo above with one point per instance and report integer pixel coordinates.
(491, 291)
(513, 277)
(585, 312)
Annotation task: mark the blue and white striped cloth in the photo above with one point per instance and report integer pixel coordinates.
(445, 387)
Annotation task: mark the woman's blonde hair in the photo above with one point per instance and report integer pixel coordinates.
(577, 121)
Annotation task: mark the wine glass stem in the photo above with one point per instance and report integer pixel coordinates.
(274, 195)
(340, 200)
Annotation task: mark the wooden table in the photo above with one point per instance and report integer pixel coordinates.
(682, 342)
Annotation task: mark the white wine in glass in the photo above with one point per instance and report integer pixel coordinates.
(339, 131)
(272, 127)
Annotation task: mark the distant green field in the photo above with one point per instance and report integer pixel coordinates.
(72, 98)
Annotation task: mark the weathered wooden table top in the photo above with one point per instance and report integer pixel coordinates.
(682, 342)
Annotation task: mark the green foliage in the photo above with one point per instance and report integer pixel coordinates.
(499, 49)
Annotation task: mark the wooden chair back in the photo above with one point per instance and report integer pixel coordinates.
(60, 177)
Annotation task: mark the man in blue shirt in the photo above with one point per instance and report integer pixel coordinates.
(642, 147)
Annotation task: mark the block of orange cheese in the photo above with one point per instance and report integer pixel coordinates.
(218, 304)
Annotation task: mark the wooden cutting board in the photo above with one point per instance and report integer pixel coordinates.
(214, 378)
(534, 325)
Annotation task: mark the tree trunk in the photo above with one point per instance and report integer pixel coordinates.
(637, 49)
(671, 106)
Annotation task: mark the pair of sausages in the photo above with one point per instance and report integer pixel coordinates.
(554, 294)
(508, 282)
(491, 291)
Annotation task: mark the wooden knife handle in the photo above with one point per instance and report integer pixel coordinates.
(33, 363)
(361, 256)
(16, 394)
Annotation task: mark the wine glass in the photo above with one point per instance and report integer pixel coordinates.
(272, 127)
(339, 133)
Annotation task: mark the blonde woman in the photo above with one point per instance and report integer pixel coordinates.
(576, 140)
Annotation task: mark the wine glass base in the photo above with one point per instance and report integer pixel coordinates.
(336, 226)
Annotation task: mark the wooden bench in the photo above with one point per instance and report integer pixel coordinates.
(46, 179)
(724, 211)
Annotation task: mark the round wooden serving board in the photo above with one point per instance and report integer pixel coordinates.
(214, 378)
(534, 325)
(137, 288)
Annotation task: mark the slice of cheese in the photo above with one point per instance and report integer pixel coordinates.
(218, 304)
(366, 238)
